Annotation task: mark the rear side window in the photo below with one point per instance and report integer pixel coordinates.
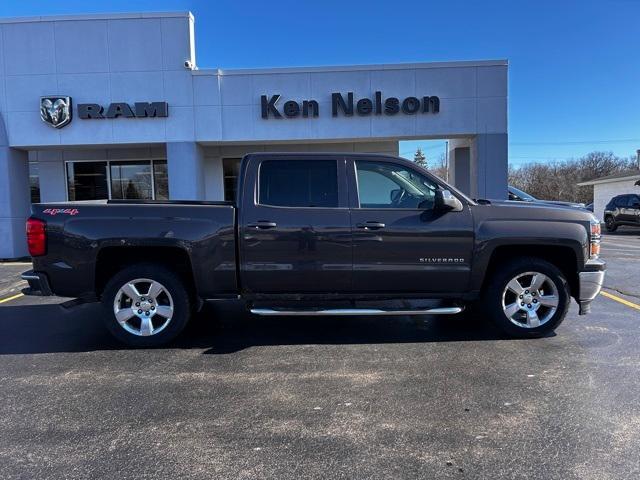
(633, 200)
(299, 183)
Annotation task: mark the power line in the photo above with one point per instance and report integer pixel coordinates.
(538, 157)
(430, 147)
(579, 142)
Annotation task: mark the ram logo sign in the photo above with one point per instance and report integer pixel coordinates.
(55, 111)
(121, 109)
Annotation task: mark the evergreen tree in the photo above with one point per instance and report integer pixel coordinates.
(420, 158)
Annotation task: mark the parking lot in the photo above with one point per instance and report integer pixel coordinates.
(251, 397)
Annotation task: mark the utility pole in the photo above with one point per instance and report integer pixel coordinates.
(638, 158)
(446, 161)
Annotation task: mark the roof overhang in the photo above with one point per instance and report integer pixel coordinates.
(610, 180)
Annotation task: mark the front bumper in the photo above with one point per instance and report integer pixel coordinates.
(590, 280)
(38, 284)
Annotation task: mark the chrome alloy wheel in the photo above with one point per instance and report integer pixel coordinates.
(143, 307)
(530, 299)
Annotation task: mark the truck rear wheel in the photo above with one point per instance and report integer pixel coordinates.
(527, 298)
(146, 305)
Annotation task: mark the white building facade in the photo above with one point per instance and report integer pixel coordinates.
(114, 106)
(605, 188)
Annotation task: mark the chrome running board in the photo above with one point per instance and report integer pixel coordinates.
(354, 311)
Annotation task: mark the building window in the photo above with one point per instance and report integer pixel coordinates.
(87, 181)
(131, 180)
(34, 182)
(230, 169)
(122, 179)
(161, 180)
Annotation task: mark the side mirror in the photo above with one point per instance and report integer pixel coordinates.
(446, 202)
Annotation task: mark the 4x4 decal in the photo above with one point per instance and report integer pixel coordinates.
(64, 211)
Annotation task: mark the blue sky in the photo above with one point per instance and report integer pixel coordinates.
(574, 75)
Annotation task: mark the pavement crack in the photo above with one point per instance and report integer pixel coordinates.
(622, 292)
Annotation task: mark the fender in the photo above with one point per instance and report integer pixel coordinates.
(494, 233)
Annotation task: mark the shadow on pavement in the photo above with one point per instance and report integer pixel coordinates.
(225, 329)
(623, 231)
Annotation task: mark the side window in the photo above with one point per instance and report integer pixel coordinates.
(622, 201)
(386, 185)
(634, 201)
(299, 183)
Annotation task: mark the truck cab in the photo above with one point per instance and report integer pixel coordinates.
(355, 225)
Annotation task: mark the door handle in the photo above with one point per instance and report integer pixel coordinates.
(263, 225)
(371, 225)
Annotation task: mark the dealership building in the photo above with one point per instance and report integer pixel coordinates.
(116, 106)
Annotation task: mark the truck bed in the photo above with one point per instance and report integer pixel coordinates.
(82, 234)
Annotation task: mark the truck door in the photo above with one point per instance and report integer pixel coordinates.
(295, 232)
(400, 243)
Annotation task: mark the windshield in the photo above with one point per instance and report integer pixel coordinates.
(521, 194)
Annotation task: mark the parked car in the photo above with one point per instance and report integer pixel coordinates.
(622, 210)
(319, 234)
(515, 194)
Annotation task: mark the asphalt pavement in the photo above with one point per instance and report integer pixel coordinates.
(239, 396)
(10, 281)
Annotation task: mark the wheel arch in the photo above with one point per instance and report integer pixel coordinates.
(562, 256)
(112, 259)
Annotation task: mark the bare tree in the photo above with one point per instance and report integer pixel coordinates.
(558, 180)
(439, 168)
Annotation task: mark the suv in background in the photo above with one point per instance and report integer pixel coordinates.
(622, 210)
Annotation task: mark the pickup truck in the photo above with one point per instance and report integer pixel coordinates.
(319, 234)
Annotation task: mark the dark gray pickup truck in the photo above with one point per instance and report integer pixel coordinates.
(319, 234)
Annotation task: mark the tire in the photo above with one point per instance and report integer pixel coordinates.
(610, 224)
(131, 325)
(499, 298)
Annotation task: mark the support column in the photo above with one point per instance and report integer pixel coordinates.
(214, 179)
(492, 165)
(15, 199)
(185, 162)
(52, 176)
(461, 172)
(460, 168)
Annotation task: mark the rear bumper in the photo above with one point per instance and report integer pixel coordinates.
(38, 284)
(591, 280)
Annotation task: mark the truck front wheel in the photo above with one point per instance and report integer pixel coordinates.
(527, 298)
(146, 305)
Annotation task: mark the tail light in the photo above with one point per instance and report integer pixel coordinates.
(594, 248)
(36, 237)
